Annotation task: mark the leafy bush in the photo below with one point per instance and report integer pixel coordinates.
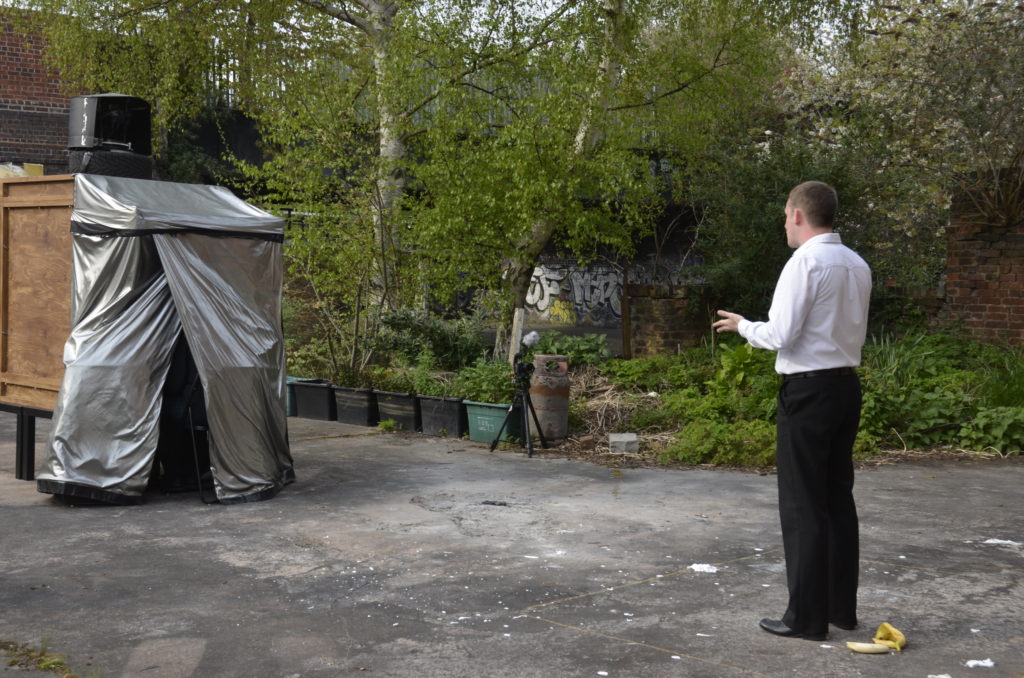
(311, 359)
(746, 384)
(690, 368)
(703, 441)
(427, 379)
(1000, 429)
(407, 333)
(920, 391)
(486, 381)
(396, 380)
(652, 419)
(588, 349)
(1001, 382)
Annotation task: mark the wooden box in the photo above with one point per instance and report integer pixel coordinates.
(35, 287)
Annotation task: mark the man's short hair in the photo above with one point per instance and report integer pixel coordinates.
(818, 201)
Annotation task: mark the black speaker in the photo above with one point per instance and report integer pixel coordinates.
(110, 134)
(109, 121)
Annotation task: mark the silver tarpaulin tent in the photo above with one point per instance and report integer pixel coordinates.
(174, 370)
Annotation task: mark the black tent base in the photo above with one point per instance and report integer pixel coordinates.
(262, 495)
(287, 478)
(76, 493)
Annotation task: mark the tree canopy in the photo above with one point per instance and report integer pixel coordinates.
(444, 145)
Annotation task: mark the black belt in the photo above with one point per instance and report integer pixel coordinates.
(833, 372)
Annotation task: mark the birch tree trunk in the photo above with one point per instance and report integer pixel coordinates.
(390, 182)
(520, 271)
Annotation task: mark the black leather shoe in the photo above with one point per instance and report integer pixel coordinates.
(844, 626)
(779, 629)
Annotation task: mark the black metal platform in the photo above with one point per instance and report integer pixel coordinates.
(25, 451)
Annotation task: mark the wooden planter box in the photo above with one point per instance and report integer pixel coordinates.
(35, 287)
(356, 405)
(403, 408)
(442, 416)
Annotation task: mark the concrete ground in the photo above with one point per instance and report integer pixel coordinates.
(400, 555)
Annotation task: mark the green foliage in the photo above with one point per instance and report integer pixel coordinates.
(312, 359)
(936, 90)
(741, 365)
(388, 426)
(1000, 429)
(893, 313)
(913, 388)
(691, 367)
(695, 389)
(406, 334)
(327, 293)
(486, 381)
(444, 145)
(652, 416)
(927, 390)
(920, 391)
(745, 384)
(427, 380)
(23, 657)
(743, 443)
(1002, 376)
(395, 380)
(588, 349)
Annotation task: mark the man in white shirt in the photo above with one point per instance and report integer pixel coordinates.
(817, 323)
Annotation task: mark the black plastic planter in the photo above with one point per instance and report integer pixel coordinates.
(356, 405)
(314, 399)
(442, 416)
(402, 408)
(291, 407)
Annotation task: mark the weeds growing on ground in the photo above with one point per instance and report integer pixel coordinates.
(24, 656)
(921, 391)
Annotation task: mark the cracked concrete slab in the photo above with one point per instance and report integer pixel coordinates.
(402, 555)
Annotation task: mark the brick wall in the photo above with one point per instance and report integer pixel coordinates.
(33, 108)
(660, 319)
(985, 277)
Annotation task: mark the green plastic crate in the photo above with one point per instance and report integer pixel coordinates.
(485, 419)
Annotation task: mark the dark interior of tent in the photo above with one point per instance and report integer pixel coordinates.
(182, 461)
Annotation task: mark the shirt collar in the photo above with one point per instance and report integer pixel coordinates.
(831, 238)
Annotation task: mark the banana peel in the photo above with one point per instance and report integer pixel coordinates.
(887, 638)
(888, 635)
(869, 648)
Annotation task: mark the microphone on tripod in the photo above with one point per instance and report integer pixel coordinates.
(521, 372)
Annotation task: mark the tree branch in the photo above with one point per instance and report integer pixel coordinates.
(716, 65)
(342, 14)
(539, 39)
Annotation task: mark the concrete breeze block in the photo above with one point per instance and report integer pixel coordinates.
(623, 442)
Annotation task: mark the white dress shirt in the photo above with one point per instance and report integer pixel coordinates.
(819, 314)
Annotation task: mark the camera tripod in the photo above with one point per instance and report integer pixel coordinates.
(522, 398)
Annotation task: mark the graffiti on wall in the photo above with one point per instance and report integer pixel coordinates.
(570, 296)
(671, 270)
(563, 294)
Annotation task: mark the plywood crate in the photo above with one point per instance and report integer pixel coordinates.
(35, 287)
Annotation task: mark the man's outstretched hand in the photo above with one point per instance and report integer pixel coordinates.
(730, 322)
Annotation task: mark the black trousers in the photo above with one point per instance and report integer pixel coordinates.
(817, 423)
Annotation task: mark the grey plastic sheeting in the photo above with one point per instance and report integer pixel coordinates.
(117, 204)
(152, 260)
